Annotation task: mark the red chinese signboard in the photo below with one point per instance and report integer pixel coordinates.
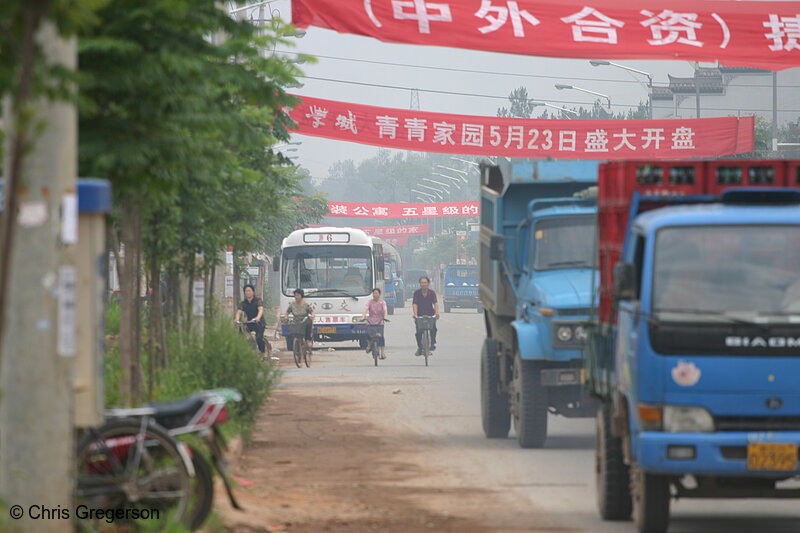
(391, 231)
(375, 210)
(397, 241)
(751, 34)
(514, 137)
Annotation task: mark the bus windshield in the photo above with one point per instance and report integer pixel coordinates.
(326, 269)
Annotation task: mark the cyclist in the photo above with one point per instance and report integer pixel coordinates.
(425, 304)
(253, 309)
(378, 311)
(300, 310)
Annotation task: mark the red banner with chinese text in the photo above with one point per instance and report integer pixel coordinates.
(390, 231)
(514, 137)
(750, 34)
(421, 210)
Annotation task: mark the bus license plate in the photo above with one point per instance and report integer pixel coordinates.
(772, 456)
(328, 329)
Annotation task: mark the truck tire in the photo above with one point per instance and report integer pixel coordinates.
(651, 499)
(401, 300)
(613, 492)
(391, 309)
(446, 308)
(495, 412)
(529, 404)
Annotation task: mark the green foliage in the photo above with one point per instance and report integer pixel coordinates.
(113, 315)
(224, 359)
(521, 106)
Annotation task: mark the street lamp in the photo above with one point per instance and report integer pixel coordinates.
(428, 195)
(473, 163)
(562, 109)
(463, 173)
(561, 86)
(600, 62)
(455, 180)
(284, 150)
(441, 184)
(295, 85)
(438, 192)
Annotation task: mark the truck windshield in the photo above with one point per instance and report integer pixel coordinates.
(564, 242)
(746, 272)
(467, 276)
(321, 270)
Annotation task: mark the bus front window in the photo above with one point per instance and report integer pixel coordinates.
(326, 268)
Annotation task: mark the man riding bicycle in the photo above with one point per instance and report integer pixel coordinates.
(300, 310)
(378, 311)
(425, 304)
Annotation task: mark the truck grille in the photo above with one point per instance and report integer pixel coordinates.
(757, 423)
(581, 311)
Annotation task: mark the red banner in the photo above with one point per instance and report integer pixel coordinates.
(397, 241)
(374, 210)
(390, 231)
(515, 137)
(750, 34)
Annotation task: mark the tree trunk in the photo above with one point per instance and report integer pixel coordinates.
(189, 296)
(130, 306)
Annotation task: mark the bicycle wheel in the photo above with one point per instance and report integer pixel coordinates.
(202, 491)
(376, 350)
(298, 346)
(125, 465)
(426, 345)
(306, 354)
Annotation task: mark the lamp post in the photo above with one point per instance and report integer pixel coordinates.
(562, 109)
(473, 163)
(440, 183)
(561, 86)
(599, 62)
(456, 181)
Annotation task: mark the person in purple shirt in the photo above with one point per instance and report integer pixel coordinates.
(425, 304)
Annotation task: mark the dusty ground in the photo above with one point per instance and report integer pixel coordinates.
(316, 469)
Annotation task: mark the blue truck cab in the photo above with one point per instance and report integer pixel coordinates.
(389, 291)
(696, 353)
(461, 287)
(537, 262)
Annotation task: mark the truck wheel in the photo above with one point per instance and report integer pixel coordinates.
(391, 309)
(446, 308)
(651, 499)
(401, 300)
(495, 413)
(529, 404)
(363, 342)
(613, 493)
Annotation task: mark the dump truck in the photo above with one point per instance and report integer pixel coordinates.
(537, 261)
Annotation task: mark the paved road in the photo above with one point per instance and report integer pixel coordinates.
(551, 489)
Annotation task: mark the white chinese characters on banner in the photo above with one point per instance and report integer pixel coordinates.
(589, 25)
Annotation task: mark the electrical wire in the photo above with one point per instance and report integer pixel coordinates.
(498, 73)
(506, 98)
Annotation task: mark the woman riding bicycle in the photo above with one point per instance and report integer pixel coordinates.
(300, 310)
(378, 311)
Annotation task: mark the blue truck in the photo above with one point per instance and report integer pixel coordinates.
(695, 352)
(537, 261)
(461, 287)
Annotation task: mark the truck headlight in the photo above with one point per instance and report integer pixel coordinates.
(564, 333)
(687, 419)
(581, 334)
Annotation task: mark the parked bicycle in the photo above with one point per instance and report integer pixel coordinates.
(134, 460)
(425, 325)
(300, 347)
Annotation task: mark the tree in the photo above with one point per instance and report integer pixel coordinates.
(520, 105)
(181, 125)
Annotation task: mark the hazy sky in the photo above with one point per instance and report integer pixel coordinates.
(318, 154)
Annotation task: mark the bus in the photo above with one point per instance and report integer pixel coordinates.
(337, 268)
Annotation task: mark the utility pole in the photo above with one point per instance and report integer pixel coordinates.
(774, 111)
(38, 345)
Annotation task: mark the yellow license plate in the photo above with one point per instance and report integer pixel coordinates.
(772, 456)
(328, 329)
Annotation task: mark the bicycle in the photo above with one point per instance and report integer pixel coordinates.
(301, 350)
(425, 325)
(374, 334)
(252, 339)
(133, 464)
(200, 414)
